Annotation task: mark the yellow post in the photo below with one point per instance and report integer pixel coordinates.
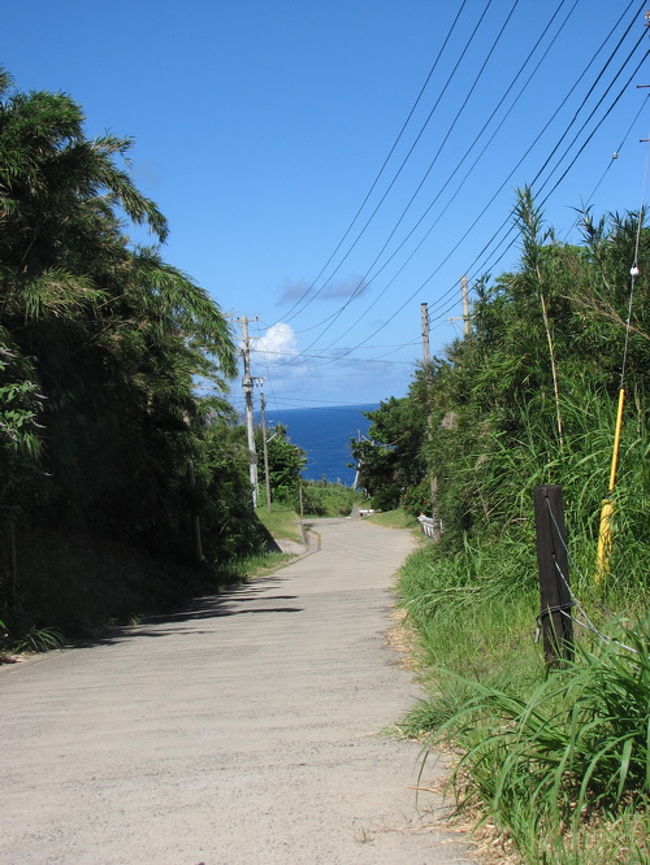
(604, 552)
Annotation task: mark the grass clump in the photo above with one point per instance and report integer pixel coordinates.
(557, 762)
(281, 521)
(556, 765)
(322, 499)
(395, 519)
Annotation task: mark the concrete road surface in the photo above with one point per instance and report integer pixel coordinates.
(244, 730)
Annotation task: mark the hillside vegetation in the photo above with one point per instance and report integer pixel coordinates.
(109, 461)
(557, 761)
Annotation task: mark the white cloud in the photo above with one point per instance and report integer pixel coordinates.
(278, 343)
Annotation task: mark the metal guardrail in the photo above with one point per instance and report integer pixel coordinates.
(428, 525)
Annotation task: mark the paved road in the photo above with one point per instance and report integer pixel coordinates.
(244, 730)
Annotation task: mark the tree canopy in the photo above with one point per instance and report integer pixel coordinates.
(100, 346)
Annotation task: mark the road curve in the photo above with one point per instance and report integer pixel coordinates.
(245, 729)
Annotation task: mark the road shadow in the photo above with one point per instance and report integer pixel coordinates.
(241, 600)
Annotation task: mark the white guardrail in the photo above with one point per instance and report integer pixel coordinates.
(428, 525)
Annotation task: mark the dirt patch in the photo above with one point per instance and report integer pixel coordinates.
(403, 639)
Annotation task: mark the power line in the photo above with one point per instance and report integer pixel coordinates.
(501, 187)
(450, 177)
(482, 67)
(316, 356)
(615, 156)
(612, 105)
(288, 316)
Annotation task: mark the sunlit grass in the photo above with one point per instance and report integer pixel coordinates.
(396, 519)
(281, 521)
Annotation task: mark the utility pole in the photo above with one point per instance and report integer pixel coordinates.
(426, 358)
(247, 386)
(424, 319)
(355, 482)
(267, 480)
(464, 293)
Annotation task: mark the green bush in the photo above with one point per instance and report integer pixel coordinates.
(322, 499)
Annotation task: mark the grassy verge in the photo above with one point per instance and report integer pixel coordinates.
(258, 566)
(281, 521)
(397, 519)
(558, 763)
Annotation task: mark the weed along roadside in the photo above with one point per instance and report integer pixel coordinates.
(552, 738)
(535, 397)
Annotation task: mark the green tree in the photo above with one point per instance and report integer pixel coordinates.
(286, 462)
(392, 461)
(101, 343)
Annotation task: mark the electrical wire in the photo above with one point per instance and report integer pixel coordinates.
(459, 164)
(392, 183)
(288, 316)
(482, 67)
(510, 174)
(428, 279)
(615, 156)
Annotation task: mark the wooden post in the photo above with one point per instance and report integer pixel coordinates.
(435, 532)
(553, 561)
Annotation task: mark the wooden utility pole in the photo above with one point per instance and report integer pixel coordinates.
(247, 386)
(265, 450)
(426, 359)
(552, 558)
(464, 293)
(424, 319)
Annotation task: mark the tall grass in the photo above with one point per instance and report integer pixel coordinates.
(558, 762)
(322, 499)
(573, 750)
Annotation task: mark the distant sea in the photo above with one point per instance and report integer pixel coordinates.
(324, 434)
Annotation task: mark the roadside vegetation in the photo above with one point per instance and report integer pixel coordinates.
(109, 461)
(322, 499)
(289, 492)
(395, 519)
(555, 762)
(281, 521)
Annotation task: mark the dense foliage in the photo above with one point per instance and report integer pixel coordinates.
(323, 499)
(529, 397)
(100, 343)
(285, 460)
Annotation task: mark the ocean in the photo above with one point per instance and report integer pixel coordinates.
(324, 434)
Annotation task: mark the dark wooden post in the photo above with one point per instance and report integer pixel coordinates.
(553, 561)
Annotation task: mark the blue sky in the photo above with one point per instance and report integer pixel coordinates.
(260, 127)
